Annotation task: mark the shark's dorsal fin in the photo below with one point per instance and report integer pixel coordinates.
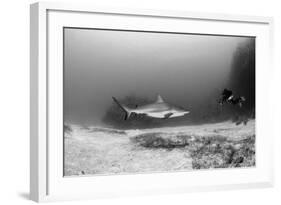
(159, 99)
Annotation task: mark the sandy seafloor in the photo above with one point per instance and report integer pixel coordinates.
(99, 150)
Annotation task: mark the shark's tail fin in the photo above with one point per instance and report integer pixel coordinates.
(124, 108)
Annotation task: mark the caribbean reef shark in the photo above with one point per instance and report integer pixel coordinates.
(158, 109)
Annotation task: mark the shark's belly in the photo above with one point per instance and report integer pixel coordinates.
(177, 115)
(157, 114)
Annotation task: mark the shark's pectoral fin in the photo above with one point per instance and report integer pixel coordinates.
(168, 115)
(125, 116)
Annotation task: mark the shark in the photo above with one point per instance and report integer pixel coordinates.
(158, 109)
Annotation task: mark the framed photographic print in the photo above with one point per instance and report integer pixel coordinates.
(129, 102)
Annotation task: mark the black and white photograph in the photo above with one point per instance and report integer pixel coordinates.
(147, 101)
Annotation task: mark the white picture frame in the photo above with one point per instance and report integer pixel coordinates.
(46, 179)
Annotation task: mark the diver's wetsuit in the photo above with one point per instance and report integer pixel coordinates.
(226, 94)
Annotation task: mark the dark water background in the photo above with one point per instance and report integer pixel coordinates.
(186, 70)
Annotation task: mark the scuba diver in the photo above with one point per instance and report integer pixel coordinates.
(228, 97)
